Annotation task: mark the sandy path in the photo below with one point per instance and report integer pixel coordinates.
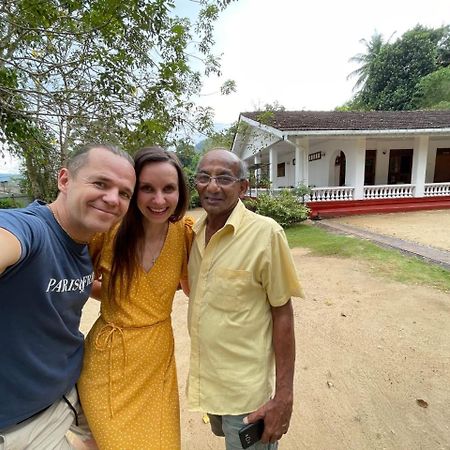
(367, 349)
(425, 227)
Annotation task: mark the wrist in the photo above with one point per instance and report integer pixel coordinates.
(284, 395)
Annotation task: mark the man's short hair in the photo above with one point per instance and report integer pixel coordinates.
(242, 169)
(79, 158)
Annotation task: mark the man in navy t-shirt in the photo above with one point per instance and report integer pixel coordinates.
(45, 279)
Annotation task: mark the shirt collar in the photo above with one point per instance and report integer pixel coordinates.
(233, 221)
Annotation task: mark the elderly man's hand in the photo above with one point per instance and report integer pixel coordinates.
(276, 414)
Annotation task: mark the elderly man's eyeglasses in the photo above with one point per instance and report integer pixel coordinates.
(203, 179)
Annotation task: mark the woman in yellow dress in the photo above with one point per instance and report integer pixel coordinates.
(128, 386)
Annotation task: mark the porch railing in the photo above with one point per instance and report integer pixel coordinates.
(389, 191)
(436, 189)
(326, 194)
(382, 191)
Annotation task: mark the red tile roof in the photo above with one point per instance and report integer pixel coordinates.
(352, 120)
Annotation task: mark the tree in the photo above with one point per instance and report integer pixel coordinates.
(392, 77)
(222, 139)
(433, 90)
(79, 70)
(367, 59)
(189, 159)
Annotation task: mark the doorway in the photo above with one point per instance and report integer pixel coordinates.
(400, 166)
(369, 167)
(442, 166)
(340, 164)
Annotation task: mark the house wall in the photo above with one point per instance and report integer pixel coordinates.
(324, 172)
(289, 179)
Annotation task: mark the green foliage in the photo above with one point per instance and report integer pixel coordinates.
(301, 191)
(393, 76)
(8, 202)
(275, 106)
(284, 208)
(433, 90)
(250, 203)
(388, 263)
(391, 73)
(220, 139)
(79, 71)
(189, 159)
(194, 198)
(259, 181)
(367, 59)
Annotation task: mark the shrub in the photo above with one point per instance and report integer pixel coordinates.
(285, 208)
(194, 199)
(250, 203)
(302, 191)
(8, 203)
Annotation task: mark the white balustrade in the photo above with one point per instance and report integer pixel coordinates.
(389, 191)
(436, 189)
(381, 191)
(329, 194)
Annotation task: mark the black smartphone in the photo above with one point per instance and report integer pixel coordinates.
(250, 434)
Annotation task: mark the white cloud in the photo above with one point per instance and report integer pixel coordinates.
(9, 164)
(297, 52)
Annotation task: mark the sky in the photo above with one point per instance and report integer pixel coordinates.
(8, 164)
(296, 52)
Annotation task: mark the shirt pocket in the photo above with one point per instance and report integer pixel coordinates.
(231, 289)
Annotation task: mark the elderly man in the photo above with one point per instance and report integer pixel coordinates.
(45, 279)
(242, 278)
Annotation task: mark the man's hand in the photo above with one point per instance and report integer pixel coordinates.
(276, 414)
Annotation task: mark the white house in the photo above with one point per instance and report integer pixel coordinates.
(354, 161)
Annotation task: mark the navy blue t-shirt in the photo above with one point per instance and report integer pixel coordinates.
(41, 298)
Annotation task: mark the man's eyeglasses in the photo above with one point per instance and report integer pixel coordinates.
(203, 179)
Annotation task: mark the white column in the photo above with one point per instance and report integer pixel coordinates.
(419, 166)
(273, 161)
(298, 166)
(355, 168)
(301, 161)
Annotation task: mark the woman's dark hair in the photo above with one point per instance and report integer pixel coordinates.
(130, 234)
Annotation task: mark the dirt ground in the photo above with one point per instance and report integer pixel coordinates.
(425, 227)
(373, 355)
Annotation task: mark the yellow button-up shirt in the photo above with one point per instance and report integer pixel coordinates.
(245, 269)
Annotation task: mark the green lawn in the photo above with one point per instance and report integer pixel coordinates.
(386, 262)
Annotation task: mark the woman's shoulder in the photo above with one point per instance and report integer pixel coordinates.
(184, 228)
(188, 222)
(184, 224)
(105, 240)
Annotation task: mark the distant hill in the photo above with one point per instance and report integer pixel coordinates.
(6, 176)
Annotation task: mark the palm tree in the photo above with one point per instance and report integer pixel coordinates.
(366, 60)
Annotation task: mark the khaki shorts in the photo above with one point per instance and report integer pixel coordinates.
(48, 429)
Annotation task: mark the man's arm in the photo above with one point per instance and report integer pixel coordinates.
(11, 249)
(277, 411)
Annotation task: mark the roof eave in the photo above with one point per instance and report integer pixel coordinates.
(398, 131)
(261, 126)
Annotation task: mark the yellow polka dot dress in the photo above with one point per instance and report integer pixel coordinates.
(128, 387)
